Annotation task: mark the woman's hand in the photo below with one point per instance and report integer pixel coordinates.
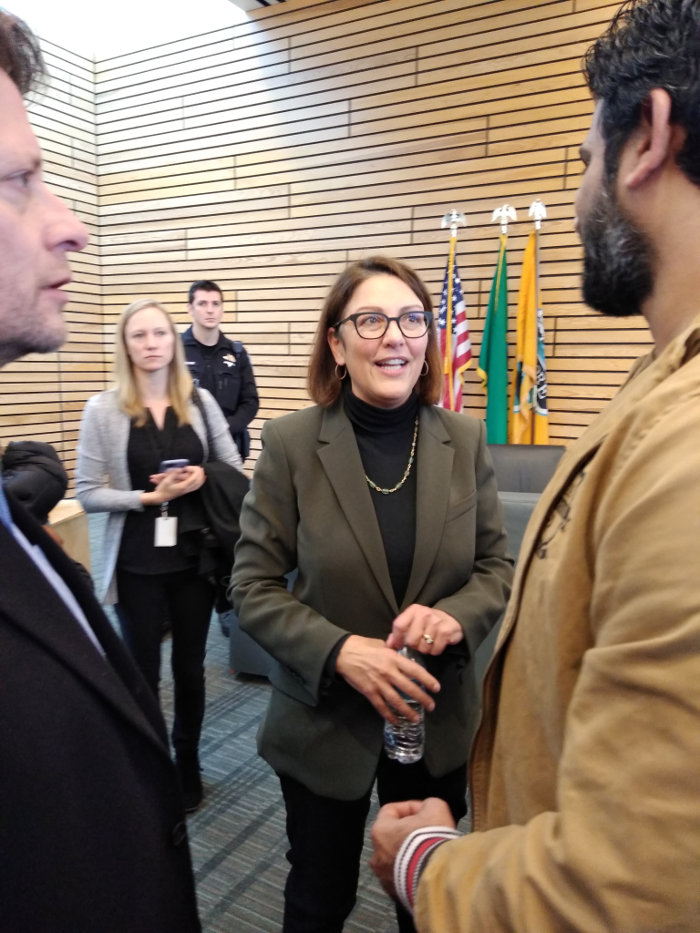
(173, 484)
(379, 673)
(426, 630)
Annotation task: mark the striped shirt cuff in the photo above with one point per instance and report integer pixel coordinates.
(413, 857)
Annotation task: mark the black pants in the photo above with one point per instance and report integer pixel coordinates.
(185, 601)
(326, 838)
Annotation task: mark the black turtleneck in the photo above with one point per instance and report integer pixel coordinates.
(384, 438)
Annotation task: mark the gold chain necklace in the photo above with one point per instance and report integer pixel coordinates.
(407, 471)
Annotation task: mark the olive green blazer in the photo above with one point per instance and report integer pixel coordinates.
(310, 509)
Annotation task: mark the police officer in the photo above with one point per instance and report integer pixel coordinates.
(218, 364)
(223, 367)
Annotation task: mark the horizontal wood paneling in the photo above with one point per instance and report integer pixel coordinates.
(269, 154)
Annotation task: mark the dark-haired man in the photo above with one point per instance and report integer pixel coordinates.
(223, 367)
(218, 364)
(585, 770)
(92, 833)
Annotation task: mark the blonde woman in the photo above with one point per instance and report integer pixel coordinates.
(126, 435)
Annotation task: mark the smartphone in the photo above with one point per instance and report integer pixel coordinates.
(166, 465)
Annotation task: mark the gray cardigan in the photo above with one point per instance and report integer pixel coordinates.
(102, 481)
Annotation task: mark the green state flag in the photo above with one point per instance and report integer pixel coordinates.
(493, 359)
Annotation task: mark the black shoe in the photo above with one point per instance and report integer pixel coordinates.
(190, 781)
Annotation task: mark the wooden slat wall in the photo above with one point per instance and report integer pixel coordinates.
(269, 154)
(42, 396)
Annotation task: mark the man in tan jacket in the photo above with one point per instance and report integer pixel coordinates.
(585, 772)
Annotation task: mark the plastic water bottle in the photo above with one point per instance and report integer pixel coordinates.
(404, 741)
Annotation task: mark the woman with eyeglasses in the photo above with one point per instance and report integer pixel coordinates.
(387, 508)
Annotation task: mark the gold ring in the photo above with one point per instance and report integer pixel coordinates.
(427, 639)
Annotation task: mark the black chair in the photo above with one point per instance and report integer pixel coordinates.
(524, 467)
(522, 472)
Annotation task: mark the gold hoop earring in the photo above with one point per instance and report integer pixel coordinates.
(425, 369)
(338, 367)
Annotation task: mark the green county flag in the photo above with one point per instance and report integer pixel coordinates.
(493, 359)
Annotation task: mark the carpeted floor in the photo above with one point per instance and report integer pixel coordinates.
(237, 837)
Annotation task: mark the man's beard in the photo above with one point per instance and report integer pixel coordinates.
(617, 264)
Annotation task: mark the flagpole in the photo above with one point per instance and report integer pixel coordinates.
(504, 214)
(538, 212)
(448, 322)
(452, 219)
(493, 356)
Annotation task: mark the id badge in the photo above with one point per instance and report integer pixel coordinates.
(166, 531)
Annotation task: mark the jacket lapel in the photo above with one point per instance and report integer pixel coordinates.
(114, 677)
(341, 462)
(434, 462)
(645, 374)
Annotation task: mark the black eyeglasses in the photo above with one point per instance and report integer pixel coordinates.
(372, 324)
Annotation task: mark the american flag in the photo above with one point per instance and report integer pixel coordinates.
(455, 344)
